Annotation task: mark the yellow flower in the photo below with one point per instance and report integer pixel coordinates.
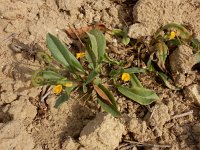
(126, 77)
(172, 35)
(68, 84)
(57, 89)
(80, 55)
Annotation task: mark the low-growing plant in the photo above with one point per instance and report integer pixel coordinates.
(164, 42)
(68, 73)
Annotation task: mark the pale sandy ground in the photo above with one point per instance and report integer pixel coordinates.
(27, 124)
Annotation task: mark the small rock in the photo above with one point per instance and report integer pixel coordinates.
(102, 133)
(192, 92)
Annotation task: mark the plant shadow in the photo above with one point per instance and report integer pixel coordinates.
(80, 116)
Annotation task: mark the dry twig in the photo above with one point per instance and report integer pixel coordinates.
(148, 144)
(182, 115)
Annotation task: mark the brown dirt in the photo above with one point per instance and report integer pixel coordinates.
(27, 123)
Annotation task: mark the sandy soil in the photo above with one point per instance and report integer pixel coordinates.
(27, 123)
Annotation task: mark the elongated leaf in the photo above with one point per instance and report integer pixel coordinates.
(110, 109)
(106, 99)
(128, 70)
(150, 63)
(140, 95)
(164, 77)
(115, 72)
(102, 95)
(51, 75)
(84, 88)
(101, 43)
(91, 76)
(134, 70)
(62, 54)
(61, 99)
(135, 82)
(43, 77)
(161, 54)
(55, 52)
(109, 94)
(92, 53)
(68, 90)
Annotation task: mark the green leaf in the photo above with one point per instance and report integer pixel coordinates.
(55, 52)
(150, 63)
(140, 95)
(109, 94)
(135, 82)
(42, 56)
(44, 77)
(106, 99)
(161, 54)
(134, 70)
(96, 45)
(195, 43)
(62, 54)
(68, 90)
(84, 88)
(108, 108)
(92, 53)
(173, 42)
(91, 76)
(115, 72)
(101, 43)
(118, 32)
(51, 75)
(123, 34)
(165, 78)
(125, 40)
(128, 70)
(61, 99)
(197, 57)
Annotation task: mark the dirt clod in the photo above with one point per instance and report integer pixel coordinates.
(159, 117)
(14, 136)
(139, 129)
(102, 133)
(181, 62)
(192, 93)
(70, 144)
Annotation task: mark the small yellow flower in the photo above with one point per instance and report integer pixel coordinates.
(172, 35)
(126, 77)
(80, 55)
(57, 89)
(68, 84)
